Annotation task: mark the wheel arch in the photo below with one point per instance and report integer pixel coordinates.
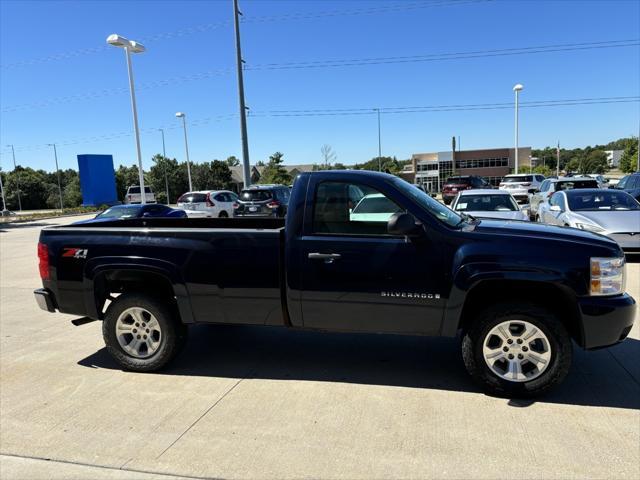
(552, 296)
(101, 280)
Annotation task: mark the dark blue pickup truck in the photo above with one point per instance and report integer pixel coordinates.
(358, 252)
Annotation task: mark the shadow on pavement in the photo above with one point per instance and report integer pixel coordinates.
(596, 378)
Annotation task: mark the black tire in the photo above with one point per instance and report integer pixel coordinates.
(173, 339)
(559, 342)
(223, 214)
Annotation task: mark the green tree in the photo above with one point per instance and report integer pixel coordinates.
(274, 172)
(125, 177)
(177, 178)
(387, 164)
(232, 161)
(71, 194)
(211, 175)
(629, 159)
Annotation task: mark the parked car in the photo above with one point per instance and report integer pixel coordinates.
(263, 201)
(208, 203)
(124, 212)
(630, 184)
(489, 204)
(456, 184)
(519, 293)
(607, 212)
(521, 186)
(603, 182)
(374, 207)
(551, 185)
(133, 195)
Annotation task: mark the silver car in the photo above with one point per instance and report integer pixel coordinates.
(612, 213)
(488, 204)
(552, 185)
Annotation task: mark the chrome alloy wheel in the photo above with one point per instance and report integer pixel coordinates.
(138, 332)
(516, 351)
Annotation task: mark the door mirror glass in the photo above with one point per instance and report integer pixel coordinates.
(403, 224)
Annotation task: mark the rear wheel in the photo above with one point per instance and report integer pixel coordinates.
(517, 350)
(223, 214)
(142, 333)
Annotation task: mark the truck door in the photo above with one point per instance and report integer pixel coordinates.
(357, 277)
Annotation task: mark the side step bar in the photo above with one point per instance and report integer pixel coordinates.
(82, 321)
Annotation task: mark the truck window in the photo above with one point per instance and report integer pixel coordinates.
(335, 212)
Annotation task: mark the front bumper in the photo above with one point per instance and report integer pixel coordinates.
(606, 320)
(44, 299)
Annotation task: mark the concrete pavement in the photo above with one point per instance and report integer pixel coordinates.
(247, 402)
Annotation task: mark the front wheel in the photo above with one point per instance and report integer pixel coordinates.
(517, 350)
(142, 333)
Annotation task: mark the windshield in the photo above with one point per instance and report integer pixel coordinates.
(570, 185)
(458, 180)
(121, 212)
(134, 190)
(435, 208)
(518, 179)
(604, 200)
(486, 203)
(193, 198)
(255, 195)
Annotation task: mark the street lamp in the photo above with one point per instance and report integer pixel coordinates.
(132, 47)
(517, 89)
(164, 160)
(13, 152)
(186, 146)
(55, 155)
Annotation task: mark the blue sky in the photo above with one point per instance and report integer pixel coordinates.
(61, 83)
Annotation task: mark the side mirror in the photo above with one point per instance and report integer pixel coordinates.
(555, 208)
(403, 224)
(532, 191)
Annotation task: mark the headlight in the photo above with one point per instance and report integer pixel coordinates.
(590, 227)
(607, 276)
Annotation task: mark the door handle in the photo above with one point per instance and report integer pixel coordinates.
(327, 257)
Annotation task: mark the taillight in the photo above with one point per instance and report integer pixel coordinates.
(43, 257)
(273, 204)
(209, 201)
(236, 205)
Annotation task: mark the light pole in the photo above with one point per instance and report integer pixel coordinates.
(55, 155)
(132, 47)
(13, 152)
(517, 89)
(183, 116)
(377, 110)
(164, 157)
(246, 167)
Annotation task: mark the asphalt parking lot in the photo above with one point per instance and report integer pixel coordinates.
(245, 402)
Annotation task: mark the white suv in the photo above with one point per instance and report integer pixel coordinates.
(133, 195)
(208, 203)
(521, 185)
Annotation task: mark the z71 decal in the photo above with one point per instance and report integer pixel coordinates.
(75, 252)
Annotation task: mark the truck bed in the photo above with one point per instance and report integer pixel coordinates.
(221, 270)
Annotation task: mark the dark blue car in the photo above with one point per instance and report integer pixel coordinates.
(123, 212)
(630, 184)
